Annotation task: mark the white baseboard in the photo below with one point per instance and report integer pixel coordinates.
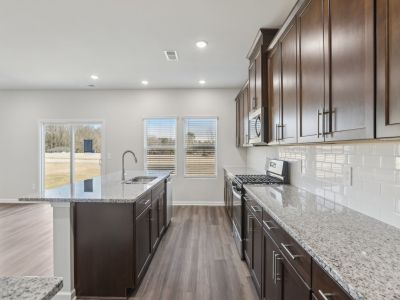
(197, 203)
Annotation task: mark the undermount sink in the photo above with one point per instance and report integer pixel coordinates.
(140, 180)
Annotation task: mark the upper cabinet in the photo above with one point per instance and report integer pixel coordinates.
(311, 72)
(242, 117)
(349, 69)
(274, 89)
(388, 68)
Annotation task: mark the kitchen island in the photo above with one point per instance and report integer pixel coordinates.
(106, 232)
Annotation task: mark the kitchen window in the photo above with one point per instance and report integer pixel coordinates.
(160, 144)
(70, 152)
(200, 147)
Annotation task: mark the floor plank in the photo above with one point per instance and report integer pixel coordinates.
(26, 240)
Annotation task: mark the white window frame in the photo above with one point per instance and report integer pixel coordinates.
(73, 123)
(184, 148)
(145, 141)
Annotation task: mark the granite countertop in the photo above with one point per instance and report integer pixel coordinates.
(360, 252)
(29, 288)
(237, 170)
(101, 189)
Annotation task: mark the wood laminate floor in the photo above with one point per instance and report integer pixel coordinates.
(26, 240)
(196, 259)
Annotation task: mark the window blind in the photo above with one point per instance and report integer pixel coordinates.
(160, 144)
(200, 143)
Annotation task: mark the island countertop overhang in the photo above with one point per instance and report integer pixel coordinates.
(100, 189)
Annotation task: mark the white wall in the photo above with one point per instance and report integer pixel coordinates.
(123, 113)
(325, 170)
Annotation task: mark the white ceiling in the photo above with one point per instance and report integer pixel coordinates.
(58, 44)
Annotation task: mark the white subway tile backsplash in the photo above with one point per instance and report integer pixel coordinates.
(371, 187)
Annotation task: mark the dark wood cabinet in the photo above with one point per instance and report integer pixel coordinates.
(257, 240)
(311, 72)
(238, 124)
(162, 204)
(271, 284)
(143, 242)
(242, 117)
(252, 86)
(293, 287)
(248, 236)
(288, 124)
(258, 62)
(349, 70)
(325, 287)
(388, 68)
(274, 79)
(228, 197)
(154, 213)
(283, 89)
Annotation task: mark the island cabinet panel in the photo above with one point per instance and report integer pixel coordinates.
(162, 210)
(274, 79)
(388, 68)
(104, 249)
(154, 213)
(311, 72)
(143, 243)
(349, 69)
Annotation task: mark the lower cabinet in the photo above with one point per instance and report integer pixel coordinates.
(248, 236)
(228, 197)
(154, 223)
(293, 287)
(143, 244)
(271, 284)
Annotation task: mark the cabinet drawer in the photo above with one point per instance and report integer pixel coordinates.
(325, 287)
(143, 203)
(254, 207)
(272, 228)
(296, 256)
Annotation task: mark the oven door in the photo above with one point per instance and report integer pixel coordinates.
(237, 219)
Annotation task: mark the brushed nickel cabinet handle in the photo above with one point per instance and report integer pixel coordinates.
(292, 256)
(255, 209)
(325, 296)
(269, 227)
(147, 202)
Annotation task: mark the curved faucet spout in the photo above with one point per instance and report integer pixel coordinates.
(123, 162)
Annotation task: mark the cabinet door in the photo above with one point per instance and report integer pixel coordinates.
(246, 107)
(248, 242)
(241, 120)
(161, 213)
(288, 124)
(388, 68)
(237, 101)
(349, 64)
(143, 242)
(293, 287)
(311, 72)
(271, 287)
(257, 254)
(154, 223)
(252, 86)
(259, 83)
(274, 78)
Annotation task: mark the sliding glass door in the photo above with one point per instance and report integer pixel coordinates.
(71, 152)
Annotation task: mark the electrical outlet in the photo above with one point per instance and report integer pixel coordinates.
(348, 175)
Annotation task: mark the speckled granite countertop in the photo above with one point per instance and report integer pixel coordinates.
(101, 189)
(233, 171)
(29, 288)
(361, 253)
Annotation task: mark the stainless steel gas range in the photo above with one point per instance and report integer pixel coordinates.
(276, 173)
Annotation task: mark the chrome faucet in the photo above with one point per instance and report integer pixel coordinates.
(123, 162)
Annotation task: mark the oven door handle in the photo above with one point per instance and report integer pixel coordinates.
(235, 193)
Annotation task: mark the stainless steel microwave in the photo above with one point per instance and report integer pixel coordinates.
(257, 134)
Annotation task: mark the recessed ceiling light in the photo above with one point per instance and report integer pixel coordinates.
(94, 76)
(145, 82)
(201, 44)
(202, 82)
